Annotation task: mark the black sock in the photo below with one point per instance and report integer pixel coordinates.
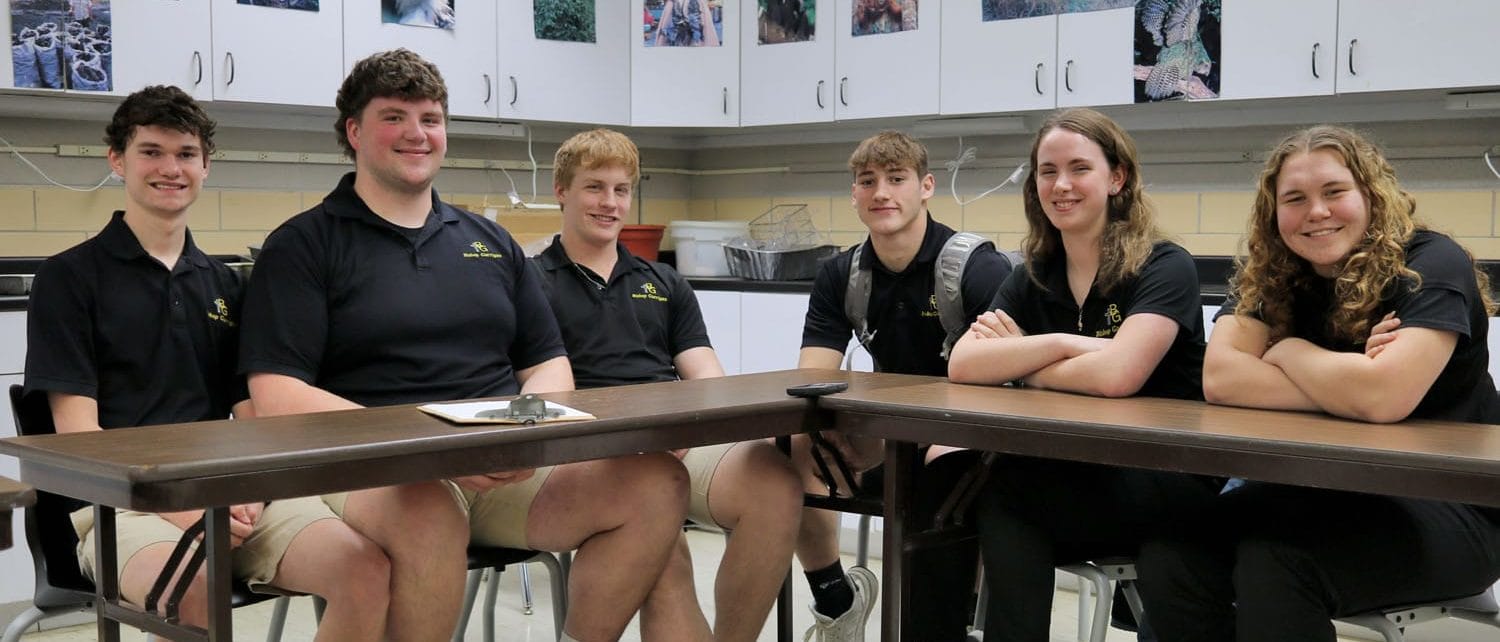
(832, 594)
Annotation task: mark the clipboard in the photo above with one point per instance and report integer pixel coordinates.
(524, 410)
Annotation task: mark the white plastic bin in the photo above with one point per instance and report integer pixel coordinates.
(698, 244)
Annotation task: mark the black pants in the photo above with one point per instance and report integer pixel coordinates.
(1277, 562)
(942, 576)
(1037, 514)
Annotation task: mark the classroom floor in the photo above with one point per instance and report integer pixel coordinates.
(515, 626)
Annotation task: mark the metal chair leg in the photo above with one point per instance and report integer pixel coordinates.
(471, 589)
(26, 619)
(525, 590)
(557, 576)
(491, 595)
(862, 552)
(278, 619)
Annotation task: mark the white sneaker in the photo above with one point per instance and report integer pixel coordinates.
(849, 627)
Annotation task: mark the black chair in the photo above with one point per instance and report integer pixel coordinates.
(492, 560)
(61, 587)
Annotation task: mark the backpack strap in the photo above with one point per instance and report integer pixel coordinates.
(857, 299)
(947, 285)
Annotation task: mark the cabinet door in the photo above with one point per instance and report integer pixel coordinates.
(1000, 65)
(465, 53)
(1096, 58)
(142, 56)
(686, 86)
(562, 81)
(721, 313)
(1298, 60)
(771, 324)
(280, 56)
(887, 74)
(1386, 45)
(789, 81)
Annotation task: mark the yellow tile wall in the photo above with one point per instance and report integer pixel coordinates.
(43, 221)
(1208, 223)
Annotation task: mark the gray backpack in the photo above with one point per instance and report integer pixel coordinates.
(947, 289)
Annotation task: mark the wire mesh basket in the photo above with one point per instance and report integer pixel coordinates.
(783, 245)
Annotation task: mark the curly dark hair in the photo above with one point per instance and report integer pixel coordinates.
(398, 73)
(159, 106)
(1131, 231)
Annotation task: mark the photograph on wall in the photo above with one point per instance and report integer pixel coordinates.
(683, 23)
(873, 17)
(787, 20)
(991, 10)
(565, 20)
(1083, 6)
(301, 5)
(437, 14)
(1176, 50)
(61, 44)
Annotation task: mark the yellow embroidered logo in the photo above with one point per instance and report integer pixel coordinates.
(481, 251)
(931, 310)
(1112, 320)
(648, 292)
(220, 312)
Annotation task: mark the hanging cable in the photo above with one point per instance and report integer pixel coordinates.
(27, 162)
(967, 154)
(532, 158)
(1490, 163)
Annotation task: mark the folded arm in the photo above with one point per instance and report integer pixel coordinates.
(1235, 374)
(1382, 389)
(1120, 367)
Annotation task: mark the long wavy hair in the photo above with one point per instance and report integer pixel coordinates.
(1270, 271)
(1130, 230)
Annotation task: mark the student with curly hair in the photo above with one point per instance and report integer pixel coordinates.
(1345, 304)
(1104, 305)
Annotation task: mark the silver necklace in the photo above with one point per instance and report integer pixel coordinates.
(598, 283)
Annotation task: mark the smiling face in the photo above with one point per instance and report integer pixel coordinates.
(595, 204)
(891, 200)
(1321, 212)
(1074, 182)
(399, 143)
(163, 170)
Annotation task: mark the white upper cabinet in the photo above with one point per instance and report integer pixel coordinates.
(694, 83)
(1275, 48)
(142, 56)
(277, 56)
(892, 70)
(999, 65)
(788, 77)
(462, 45)
(543, 77)
(1385, 45)
(1096, 58)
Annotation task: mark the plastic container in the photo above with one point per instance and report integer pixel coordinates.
(642, 240)
(700, 245)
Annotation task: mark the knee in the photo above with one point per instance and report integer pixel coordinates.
(364, 578)
(653, 481)
(778, 489)
(429, 514)
(1270, 569)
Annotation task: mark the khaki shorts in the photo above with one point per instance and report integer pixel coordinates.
(702, 463)
(255, 561)
(498, 516)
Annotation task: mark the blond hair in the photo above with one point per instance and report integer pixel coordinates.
(593, 149)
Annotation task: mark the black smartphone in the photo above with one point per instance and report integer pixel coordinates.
(817, 389)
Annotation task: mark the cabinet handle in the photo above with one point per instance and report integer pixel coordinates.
(819, 93)
(1353, 42)
(198, 61)
(488, 89)
(1315, 59)
(1068, 76)
(843, 87)
(1037, 79)
(726, 100)
(515, 91)
(229, 62)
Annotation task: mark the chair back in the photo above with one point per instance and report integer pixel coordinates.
(49, 529)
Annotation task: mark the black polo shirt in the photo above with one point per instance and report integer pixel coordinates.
(1447, 299)
(380, 315)
(627, 331)
(903, 309)
(1167, 285)
(150, 345)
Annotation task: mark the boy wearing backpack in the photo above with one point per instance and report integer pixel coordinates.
(890, 293)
